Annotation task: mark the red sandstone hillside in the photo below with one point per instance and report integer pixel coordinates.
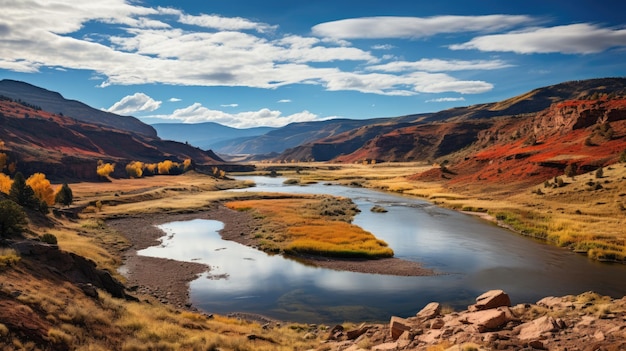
(582, 123)
(528, 150)
(63, 147)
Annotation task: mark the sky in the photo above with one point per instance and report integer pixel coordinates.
(250, 63)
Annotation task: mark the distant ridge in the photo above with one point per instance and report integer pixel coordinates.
(205, 135)
(54, 102)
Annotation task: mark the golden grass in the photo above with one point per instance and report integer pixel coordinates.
(77, 322)
(588, 214)
(297, 226)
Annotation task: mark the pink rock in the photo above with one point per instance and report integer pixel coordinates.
(537, 328)
(430, 311)
(487, 320)
(492, 299)
(398, 326)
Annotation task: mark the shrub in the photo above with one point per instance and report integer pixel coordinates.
(49, 239)
(12, 218)
(570, 170)
(600, 173)
(8, 257)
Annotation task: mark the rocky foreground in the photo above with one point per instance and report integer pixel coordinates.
(584, 322)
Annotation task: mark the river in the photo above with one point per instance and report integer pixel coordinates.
(471, 255)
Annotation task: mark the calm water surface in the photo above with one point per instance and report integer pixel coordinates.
(472, 255)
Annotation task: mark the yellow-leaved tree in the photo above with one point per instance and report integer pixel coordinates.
(165, 166)
(104, 169)
(135, 169)
(42, 188)
(5, 183)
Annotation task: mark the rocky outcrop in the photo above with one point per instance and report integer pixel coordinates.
(584, 322)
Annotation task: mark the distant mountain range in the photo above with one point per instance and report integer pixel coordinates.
(208, 135)
(542, 131)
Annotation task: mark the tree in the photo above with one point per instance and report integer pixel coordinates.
(64, 196)
(570, 170)
(600, 173)
(42, 188)
(12, 218)
(105, 169)
(5, 183)
(22, 193)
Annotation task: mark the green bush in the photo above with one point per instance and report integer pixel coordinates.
(49, 239)
(12, 218)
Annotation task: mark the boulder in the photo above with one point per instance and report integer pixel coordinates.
(355, 333)
(538, 328)
(398, 326)
(430, 311)
(492, 299)
(487, 320)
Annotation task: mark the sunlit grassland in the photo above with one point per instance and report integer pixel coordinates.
(71, 320)
(127, 197)
(304, 225)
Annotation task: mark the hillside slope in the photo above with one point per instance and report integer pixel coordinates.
(63, 147)
(55, 103)
(431, 136)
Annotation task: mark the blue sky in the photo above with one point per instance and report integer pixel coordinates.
(270, 63)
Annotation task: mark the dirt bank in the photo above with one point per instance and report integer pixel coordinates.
(168, 280)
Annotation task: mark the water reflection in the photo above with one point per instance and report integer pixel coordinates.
(474, 255)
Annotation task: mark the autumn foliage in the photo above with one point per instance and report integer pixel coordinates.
(5, 183)
(42, 188)
(297, 226)
(105, 169)
(138, 169)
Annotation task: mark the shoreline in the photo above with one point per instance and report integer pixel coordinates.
(168, 280)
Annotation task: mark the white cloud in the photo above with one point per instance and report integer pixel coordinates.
(437, 65)
(197, 113)
(138, 102)
(415, 27)
(174, 99)
(284, 101)
(582, 38)
(230, 105)
(150, 46)
(225, 23)
(383, 47)
(447, 99)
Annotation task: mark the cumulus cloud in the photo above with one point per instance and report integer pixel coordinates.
(447, 99)
(582, 38)
(230, 105)
(284, 101)
(196, 113)
(138, 102)
(415, 27)
(156, 46)
(174, 99)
